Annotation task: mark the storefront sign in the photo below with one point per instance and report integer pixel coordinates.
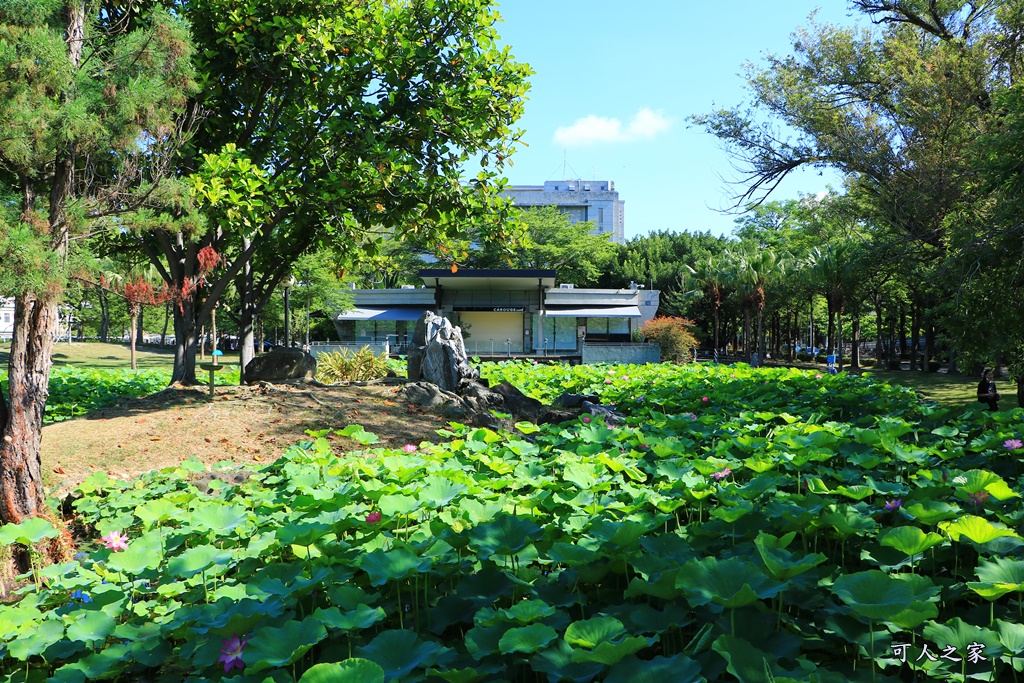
(510, 309)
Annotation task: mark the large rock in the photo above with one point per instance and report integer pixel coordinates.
(437, 353)
(280, 364)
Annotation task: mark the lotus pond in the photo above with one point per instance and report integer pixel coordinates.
(739, 525)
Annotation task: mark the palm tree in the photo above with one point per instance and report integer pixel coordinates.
(835, 272)
(712, 282)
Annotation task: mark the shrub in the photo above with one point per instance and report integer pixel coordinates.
(345, 366)
(673, 335)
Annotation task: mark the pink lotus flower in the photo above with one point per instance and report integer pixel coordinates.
(979, 498)
(1013, 444)
(115, 541)
(720, 475)
(893, 505)
(818, 376)
(607, 381)
(409, 448)
(705, 399)
(373, 517)
(732, 374)
(231, 653)
(689, 416)
(625, 377)
(585, 419)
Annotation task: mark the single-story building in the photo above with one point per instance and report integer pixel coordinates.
(501, 312)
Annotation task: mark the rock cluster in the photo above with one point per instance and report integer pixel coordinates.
(280, 364)
(442, 380)
(437, 353)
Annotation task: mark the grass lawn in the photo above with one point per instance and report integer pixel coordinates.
(950, 391)
(110, 356)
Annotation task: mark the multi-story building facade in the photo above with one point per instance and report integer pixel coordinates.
(580, 200)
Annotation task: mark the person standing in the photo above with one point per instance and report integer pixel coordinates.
(987, 390)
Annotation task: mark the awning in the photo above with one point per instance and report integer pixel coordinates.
(381, 314)
(592, 312)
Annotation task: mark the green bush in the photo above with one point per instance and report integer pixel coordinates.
(345, 366)
(673, 335)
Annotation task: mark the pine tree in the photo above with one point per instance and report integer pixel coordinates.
(91, 116)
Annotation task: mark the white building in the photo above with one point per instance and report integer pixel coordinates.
(580, 200)
(507, 312)
(6, 319)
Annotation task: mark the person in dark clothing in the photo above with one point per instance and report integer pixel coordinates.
(987, 390)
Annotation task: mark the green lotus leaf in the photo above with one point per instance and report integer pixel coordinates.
(439, 491)
(97, 666)
(394, 505)
(196, 560)
(504, 535)
(946, 431)
(301, 534)
(361, 617)
(931, 512)
(400, 651)
(759, 464)
(976, 529)
(144, 552)
(734, 582)
(974, 481)
(849, 521)
(744, 661)
(274, 647)
(556, 662)
(648, 620)
(479, 510)
(32, 530)
(960, 635)
(874, 594)
(358, 434)
(31, 642)
(383, 566)
(781, 564)
(664, 586)
(461, 675)
(1011, 635)
(152, 512)
(611, 653)
(528, 611)
(733, 511)
(909, 540)
(624, 534)
(571, 555)
(219, 518)
(859, 492)
(998, 577)
(590, 632)
(91, 628)
(526, 638)
(352, 670)
(678, 669)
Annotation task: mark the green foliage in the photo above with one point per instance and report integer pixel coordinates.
(590, 552)
(351, 366)
(553, 242)
(674, 335)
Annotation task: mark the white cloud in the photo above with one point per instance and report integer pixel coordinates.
(591, 130)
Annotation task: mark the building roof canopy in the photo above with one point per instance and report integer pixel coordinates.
(488, 279)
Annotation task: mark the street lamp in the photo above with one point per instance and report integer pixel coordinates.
(288, 284)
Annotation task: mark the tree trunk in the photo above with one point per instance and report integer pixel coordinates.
(855, 350)
(930, 352)
(839, 340)
(140, 334)
(746, 334)
(879, 331)
(184, 344)
(716, 331)
(202, 343)
(248, 315)
(104, 316)
(903, 331)
(21, 482)
(132, 334)
(915, 334)
(167, 319)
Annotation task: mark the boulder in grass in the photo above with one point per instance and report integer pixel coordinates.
(280, 364)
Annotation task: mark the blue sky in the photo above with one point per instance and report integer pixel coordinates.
(615, 82)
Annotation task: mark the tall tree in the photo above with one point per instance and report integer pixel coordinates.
(89, 118)
(341, 123)
(553, 242)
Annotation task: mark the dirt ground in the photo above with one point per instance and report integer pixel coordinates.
(246, 425)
